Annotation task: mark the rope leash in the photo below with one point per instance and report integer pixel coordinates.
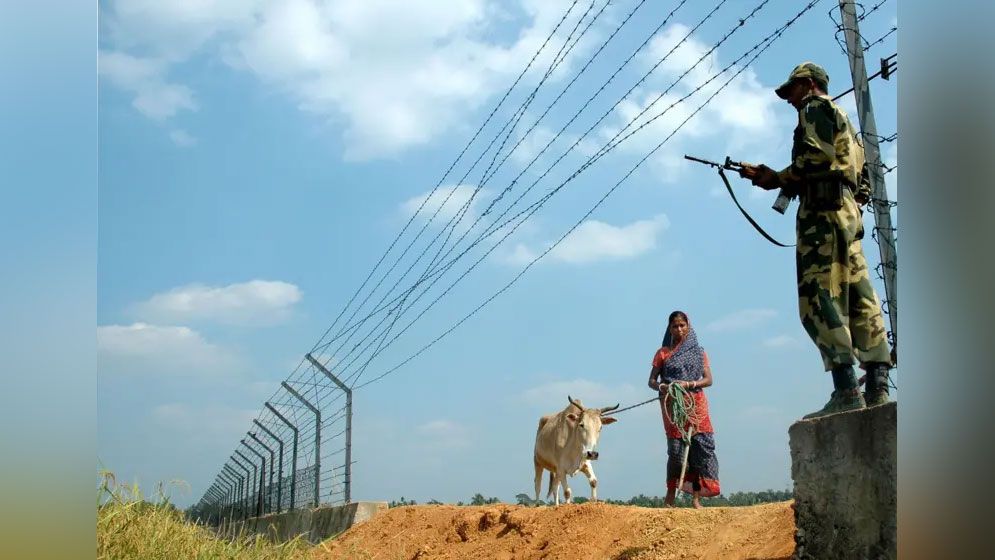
(681, 413)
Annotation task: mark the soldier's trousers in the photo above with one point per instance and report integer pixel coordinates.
(836, 301)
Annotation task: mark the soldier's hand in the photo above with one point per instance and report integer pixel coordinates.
(764, 177)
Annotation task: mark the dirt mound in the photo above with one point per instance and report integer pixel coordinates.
(591, 530)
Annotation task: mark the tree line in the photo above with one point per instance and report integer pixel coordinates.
(642, 500)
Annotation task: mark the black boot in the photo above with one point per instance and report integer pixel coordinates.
(876, 390)
(846, 396)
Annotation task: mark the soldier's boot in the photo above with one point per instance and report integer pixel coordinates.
(877, 384)
(846, 396)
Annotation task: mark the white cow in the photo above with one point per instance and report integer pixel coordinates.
(565, 443)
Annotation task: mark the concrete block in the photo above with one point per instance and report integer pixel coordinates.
(844, 468)
(315, 524)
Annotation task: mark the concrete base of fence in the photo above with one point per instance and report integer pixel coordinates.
(844, 469)
(315, 525)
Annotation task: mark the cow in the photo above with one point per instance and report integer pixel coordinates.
(565, 443)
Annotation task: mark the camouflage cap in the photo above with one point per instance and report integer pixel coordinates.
(804, 70)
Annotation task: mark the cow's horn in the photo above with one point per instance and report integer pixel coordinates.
(608, 409)
(573, 402)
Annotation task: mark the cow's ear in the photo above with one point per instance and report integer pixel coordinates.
(571, 416)
(608, 420)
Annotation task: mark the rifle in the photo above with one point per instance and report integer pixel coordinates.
(747, 170)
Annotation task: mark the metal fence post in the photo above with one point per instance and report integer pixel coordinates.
(243, 507)
(279, 486)
(293, 468)
(317, 438)
(239, 482)
(250, 462)
(272, 460)
(260, 503)
(348, 424)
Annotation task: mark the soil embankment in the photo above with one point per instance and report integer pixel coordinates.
(586, 531)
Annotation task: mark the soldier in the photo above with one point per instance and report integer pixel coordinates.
(836, 301)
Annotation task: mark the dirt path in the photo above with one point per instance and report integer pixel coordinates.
(588, 531)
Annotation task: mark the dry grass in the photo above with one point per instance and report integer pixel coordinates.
(130, 527)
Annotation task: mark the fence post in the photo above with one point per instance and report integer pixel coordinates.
(272, 459)
(243, 507)
(223, 475)
(348, 424)
(260, 503)
(279, 486)
(253, 486)
(317, 438)
(239, 482)
(293, 468)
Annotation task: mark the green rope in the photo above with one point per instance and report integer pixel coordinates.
(679, 406)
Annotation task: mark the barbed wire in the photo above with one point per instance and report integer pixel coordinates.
(453, 222)
(881, 39)
(769, 40)
(505, 133)
(536, 205)
(866, 13)
(480, 129)
(841, 28)
(441, 269)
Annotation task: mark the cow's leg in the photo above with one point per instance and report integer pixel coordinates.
(588, 469)
(567, 493)
(539, 470)
(554, 488)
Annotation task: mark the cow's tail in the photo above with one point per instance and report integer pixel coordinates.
(549, 495)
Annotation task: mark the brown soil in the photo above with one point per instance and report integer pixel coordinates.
(592, 530)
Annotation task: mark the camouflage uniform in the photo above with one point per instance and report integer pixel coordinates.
(836, 301)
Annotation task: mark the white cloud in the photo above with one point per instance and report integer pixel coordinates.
(257, 302)
(396, 74)
(779, 341)
(442, 433)
(155, 97)
(141, 348)
(594, 241)
(447, 201)
(182, 138)
(739, 320)
(741, 118)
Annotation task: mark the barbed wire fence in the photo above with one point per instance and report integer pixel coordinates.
(297, 452)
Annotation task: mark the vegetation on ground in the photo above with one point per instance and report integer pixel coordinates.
(133, 527)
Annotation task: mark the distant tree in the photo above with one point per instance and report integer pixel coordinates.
(434, 502)
(402, 502)
(478, 499)
(684, 500)
(524, 500)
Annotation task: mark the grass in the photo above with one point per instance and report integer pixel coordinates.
(131, 527)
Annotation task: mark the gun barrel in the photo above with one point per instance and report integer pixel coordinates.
(705, 161)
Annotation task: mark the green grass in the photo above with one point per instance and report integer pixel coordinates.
(131, 527)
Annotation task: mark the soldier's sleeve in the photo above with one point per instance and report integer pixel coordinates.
(813, 149)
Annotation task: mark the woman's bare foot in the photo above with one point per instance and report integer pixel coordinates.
(669, 500)
(696, 501)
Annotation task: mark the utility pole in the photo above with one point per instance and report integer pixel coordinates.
(880, 205)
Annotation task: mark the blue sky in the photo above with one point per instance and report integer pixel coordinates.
(257, 158)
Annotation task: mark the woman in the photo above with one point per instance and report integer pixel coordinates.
(682, 361)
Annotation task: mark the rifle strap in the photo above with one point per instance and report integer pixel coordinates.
(747, 215)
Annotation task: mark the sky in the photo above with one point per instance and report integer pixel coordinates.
(256, 159)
